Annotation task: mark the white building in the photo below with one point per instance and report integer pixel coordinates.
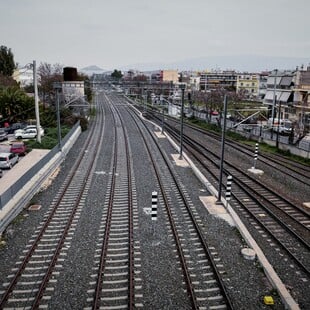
(73, 91)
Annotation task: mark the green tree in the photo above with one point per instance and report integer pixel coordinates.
(7, 64)
(15, 105)
(116, 74)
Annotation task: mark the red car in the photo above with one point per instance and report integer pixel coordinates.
(18, 148)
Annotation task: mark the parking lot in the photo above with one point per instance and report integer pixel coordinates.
(5, 148)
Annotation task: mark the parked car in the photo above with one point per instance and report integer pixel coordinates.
(29, 133)
(284, 127)
(11, 129)
(18, 148)
(28, 127)
(3, 134)
(8, 160)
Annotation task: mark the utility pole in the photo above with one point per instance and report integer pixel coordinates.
(57, 86)
(182, 86)
(279, 121)
(36, 101)
(274, 101)
(219, 199)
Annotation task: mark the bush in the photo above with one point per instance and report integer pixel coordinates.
(71, 120)
(49, 140)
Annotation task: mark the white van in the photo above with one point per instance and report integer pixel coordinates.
(284, 126)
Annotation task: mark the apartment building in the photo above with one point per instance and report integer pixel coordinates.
(248, 84)
(218, 79)
(289, 91)
(262, 86)
(301, 99)
(169, 76)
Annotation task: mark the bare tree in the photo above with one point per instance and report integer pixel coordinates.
(48, 74)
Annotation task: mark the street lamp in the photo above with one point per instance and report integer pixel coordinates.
(182, 86)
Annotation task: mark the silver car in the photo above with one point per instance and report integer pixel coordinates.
(3, 135)
(8, 160)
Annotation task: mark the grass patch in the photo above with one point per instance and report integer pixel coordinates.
(286, 153)
(205, 125)
(240, 138)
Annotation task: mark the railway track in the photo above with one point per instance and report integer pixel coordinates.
(32, 281)
(264, 201)
(115, 280)
(114, 285)
(297, 171)
(282, 226)
(202, 271)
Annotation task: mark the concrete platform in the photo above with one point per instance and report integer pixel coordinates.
(10, 177)
(158, 134)
(178, 161)
(256, 171)
(215, 209)
(307, 204)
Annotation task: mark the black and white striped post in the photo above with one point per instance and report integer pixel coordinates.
(255, 155)
(228, 188)
(154, 206)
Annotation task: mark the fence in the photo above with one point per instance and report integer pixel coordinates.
(256, 132)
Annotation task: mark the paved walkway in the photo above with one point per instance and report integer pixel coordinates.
(10, 177)
(25, 163)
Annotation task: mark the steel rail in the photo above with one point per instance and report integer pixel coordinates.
(201, 162)
(174, 229)
(28, 255)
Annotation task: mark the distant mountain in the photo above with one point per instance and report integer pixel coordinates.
(241, 63)
(90, 70)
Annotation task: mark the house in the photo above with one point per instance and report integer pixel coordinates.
(301, 99)
(288, 92)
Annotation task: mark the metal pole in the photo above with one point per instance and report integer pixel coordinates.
(144, 104)
(182, 112)
(58, 120)
(272, 125)
(279, 119)
(36, 101)
(274, 100)
(228, 189)
(255, 155)
(163, 120)
(219, 200)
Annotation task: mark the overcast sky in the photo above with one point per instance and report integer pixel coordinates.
(114, 33)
